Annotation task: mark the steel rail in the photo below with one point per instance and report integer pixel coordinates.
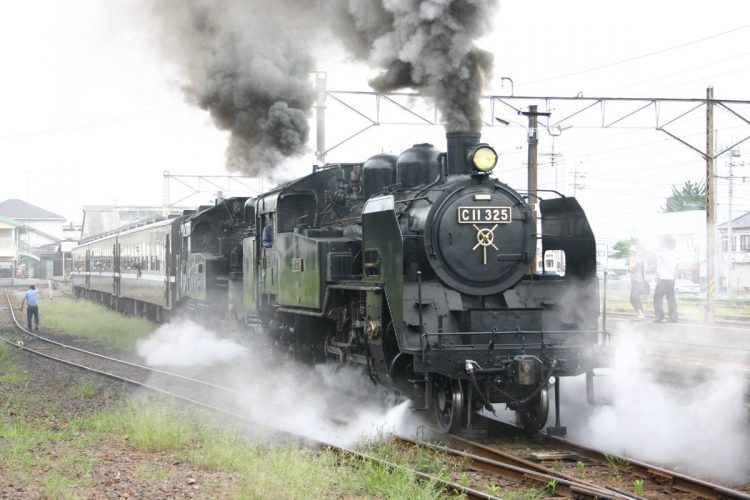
(510, 467)
(695, 486)
(676, 480)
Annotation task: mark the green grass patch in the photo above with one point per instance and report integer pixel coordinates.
(14, 378)
(5, 352)
(287, 470)
(418, 457)
(87, 319)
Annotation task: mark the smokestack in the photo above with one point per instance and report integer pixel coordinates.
(460, 145)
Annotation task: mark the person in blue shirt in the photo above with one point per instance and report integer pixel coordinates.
(31, 299)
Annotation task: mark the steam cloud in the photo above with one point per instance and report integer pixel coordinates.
(277, 392)
(248, 62)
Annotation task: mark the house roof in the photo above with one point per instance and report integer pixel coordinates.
(741, 222)
(21, 210)
(11, 221)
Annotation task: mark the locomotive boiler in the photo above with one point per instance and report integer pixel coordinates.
(416, 267)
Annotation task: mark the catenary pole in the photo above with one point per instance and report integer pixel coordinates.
(710, 208)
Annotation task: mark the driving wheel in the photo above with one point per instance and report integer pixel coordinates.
(533, 416)
(449, 402)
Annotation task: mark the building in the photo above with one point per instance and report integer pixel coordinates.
(37, 236)
(9, 253)
(735, 260)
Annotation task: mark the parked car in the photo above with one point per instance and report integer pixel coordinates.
(686, 287)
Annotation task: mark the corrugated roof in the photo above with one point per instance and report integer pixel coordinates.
(741, 222)
(21, 210)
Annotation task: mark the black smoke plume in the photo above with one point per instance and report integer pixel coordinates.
(427, 45)
(247, 62)
(245, 65)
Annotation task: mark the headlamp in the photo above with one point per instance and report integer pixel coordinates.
(483, 158)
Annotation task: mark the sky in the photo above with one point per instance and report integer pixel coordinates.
(92, 114)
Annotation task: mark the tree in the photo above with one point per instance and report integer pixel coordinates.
(692, 196)
(621, 249)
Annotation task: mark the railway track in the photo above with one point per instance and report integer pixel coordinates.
(579, 467)
(142, 377)
(552, 473)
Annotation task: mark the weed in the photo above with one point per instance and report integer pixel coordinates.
(580, 466)
(86, 390)
(551, 487)
(494, 489)
(464, 480)
(616, 465)
(638, 487)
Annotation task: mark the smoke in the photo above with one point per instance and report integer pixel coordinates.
(244, 64)
(276, 392)
(247, 62)
(649, 417)
(426, 45)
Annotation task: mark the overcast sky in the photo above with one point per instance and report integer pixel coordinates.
(90, 114)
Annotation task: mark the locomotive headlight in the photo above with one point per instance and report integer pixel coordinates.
(484, 158)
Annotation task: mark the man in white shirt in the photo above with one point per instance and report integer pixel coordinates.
(666, 272)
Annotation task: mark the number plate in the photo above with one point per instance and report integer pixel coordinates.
(484, 215)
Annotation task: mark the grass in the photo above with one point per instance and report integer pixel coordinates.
(616, 465)
(87, 319)
(687, 307)
(10, 374)
(62, 462)
(638, 487)
(5, 352)
(287, 470)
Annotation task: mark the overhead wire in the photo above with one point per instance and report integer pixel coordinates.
(635, 58)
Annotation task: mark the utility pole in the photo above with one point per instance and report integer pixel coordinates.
(730, 236)
(533, 138)
(710, 209)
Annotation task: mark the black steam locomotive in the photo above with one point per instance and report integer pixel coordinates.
(417, 267)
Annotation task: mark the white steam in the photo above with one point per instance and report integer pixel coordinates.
(185, 343)
(699, 428)
(279, 393)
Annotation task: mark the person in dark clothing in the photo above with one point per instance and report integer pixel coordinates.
(31, 299)
(266, 240)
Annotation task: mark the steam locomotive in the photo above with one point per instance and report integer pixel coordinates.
(416, 267)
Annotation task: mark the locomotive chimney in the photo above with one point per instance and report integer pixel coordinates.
(460, 145)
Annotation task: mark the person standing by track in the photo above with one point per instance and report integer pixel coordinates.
(638, 284)
(31, 299)
(666, 273)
